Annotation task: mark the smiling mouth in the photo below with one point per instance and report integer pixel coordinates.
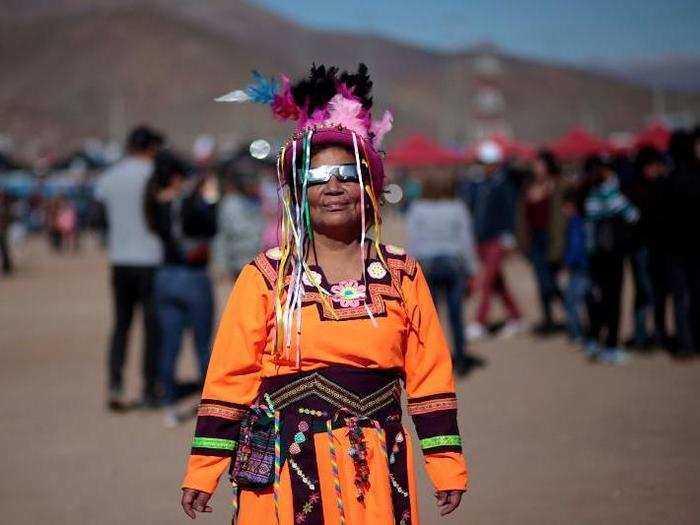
(335, 206)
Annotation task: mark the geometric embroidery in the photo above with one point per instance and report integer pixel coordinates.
(381, 286)
(316, 384)
(224, 412)
(431, 405)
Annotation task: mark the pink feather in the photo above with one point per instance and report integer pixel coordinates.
(381, 127)
(283, 105)
(347, 113)
(346, 91)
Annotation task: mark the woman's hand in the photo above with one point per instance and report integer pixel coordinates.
(448, 500)
(195, 500)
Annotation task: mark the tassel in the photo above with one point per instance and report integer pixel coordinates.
(278, 456)
(334, 472)
(364, 227)
(234, 502)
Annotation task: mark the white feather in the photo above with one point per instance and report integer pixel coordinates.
(234, 96)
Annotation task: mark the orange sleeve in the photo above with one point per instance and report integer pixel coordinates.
(232, 381)
(432, 403)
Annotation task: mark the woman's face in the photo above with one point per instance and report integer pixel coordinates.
(335, 206)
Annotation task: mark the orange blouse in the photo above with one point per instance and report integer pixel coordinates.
(404, 334)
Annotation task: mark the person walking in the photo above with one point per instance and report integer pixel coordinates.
(439, 230)
(302, 396)
(493, 204)
(134, 255)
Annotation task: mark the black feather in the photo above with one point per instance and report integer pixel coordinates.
(360, 84)
(316, 90)
(321, 86)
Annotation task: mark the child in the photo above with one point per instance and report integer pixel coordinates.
(576, 263)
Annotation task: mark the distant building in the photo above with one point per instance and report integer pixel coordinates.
(489, 109)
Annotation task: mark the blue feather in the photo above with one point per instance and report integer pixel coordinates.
(262, 90)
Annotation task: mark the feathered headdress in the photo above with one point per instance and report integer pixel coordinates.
(323, 100)
(329, 109)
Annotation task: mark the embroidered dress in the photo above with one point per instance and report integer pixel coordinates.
(341, 453)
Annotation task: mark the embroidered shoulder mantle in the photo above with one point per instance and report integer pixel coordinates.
(347, 298)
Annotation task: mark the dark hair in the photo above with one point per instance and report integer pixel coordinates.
(550, 161)
(165, 167)
(438, 185)
(680, 148)
(646, 156)
(575, 196)
(143, 138)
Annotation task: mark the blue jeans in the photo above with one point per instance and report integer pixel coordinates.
(643, 293)
(574, 302)
(184, 298)
(446, 276)
(546, 282)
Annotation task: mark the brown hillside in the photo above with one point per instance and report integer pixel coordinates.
(73, 68)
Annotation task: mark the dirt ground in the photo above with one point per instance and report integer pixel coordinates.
(550, 438)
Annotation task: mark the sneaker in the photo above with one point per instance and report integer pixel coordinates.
(150, 402)
(591, 349)
(548, 328)
(116, 402)
(464, 364)
(613, 356)
(171, 419)
(512, 328)
(475, 331)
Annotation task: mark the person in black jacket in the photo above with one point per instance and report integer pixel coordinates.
(185, 221)
(5, 219)
(682, 213)
(647, 255)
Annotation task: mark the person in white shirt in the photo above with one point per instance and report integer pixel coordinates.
(440, 236)
(134, 254)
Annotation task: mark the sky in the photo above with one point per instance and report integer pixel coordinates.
(578, 31)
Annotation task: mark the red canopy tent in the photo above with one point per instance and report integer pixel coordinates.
(418, 151)
(656, 135)
(579, 143)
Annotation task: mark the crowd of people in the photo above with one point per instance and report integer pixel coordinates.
(166, 219)
(578, 230)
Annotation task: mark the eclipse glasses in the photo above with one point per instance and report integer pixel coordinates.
(342, 172)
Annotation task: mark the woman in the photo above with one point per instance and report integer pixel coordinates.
(185, 222)
(439, 230)
(539, 214)
(302, 392)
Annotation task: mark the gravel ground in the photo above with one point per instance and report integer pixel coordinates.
(550, 438)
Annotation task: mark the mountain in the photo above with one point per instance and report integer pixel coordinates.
(77, 68)
(674, 72)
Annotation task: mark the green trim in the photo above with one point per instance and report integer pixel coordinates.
(441, 441)
(217, 443)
